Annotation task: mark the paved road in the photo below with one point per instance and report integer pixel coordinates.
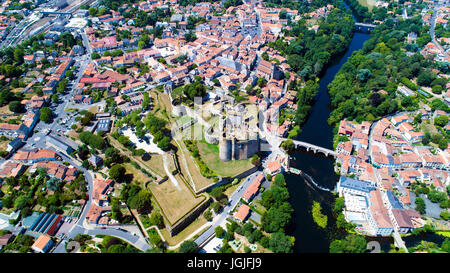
(432, 28)
(219, 219)
(83, 228)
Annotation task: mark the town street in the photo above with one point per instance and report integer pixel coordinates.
(223, 215)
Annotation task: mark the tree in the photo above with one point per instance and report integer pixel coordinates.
(441, 121)
(21, 202)
(425, 78)
(407, 101)
(116, 248)
(117, 172)
(156, 220)
(95, 55)
(437, 89)
(18, 55)
(55, 98)
(143, 41)
(363, 75)
(319, 218)
(420, 205)
(277, 218)
(208, 215)
(8, 201)
(216, 206)
(164, 143)
(351, 244)
(281, 243)
(445, 214)
(15, 106)
(142, 202)
(146, 101)
(87, 118)
(446, 245)
(113, 155)
(219, 231)
(46, 114)
(156, 240)
(190, 36)
(443, 144)
(255, 160)
(67, 39)
(339, 204)
(92, 11)
(217, 193)
(188, 247)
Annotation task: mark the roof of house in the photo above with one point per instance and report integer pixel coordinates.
(354, 184)
(242, 212)
(41, 242)
(253, 188)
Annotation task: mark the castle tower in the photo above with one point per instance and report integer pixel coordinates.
(225, 148)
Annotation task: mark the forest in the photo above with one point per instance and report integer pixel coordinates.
(310, 53)
(365, 87)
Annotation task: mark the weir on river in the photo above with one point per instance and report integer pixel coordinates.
(307, 178)
(311, 180)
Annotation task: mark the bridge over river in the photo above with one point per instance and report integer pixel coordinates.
(312, 147)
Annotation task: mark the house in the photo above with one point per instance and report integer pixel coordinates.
(242, 214)
(36, 155)
(252, 190)
(6, 239)
(95, 160)
(42, 244)
(15, 144)
(344, 148)
(59, 145)
(12, 169)
(378, 217)
(104, 124)
(405, 220)
(273, 167)
(353, 186)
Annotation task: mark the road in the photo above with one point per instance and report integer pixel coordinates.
(432, 28)
(133, 237)
(81, 227)
(223, 215)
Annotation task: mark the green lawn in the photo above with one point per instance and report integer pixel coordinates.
(367, 3)
(210, 155)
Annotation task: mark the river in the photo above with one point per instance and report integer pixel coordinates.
(309, 237)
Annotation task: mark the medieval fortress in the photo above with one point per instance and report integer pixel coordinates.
(234, 127)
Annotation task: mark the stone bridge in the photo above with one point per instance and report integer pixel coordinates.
(364, 26)
(312, 147)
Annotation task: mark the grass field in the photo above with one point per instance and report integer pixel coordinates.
(156, 164)
(5, 110)
(198, 179)
(367, 3)
(4, 144)
(138, 176)
(184, 233)
(245, 242)
(174, 203)
(210, 155)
